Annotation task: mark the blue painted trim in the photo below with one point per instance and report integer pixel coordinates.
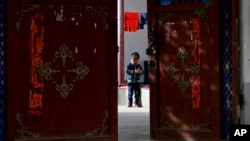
(3, 123)
(226, 65)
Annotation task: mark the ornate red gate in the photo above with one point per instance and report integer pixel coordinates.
(184, 73)
(60, 55)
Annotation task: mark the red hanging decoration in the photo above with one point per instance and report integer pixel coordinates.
(36, 47)
(196, 96)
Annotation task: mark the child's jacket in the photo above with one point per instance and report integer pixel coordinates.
(131, 77)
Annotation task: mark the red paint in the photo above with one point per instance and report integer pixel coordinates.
(36, 47)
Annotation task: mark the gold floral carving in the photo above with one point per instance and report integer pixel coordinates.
(23, 11)
(187, 66)
(23, 131)
(102, 129)
(100, 11)
(46, 71)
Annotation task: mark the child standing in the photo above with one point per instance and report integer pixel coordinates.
(133, 72)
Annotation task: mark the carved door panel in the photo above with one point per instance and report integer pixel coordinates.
(62, 82)
(185, 80)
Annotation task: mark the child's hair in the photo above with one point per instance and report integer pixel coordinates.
(135, 55)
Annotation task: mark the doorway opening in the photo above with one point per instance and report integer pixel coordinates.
(133, 122)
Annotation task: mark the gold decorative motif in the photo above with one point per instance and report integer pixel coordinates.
(100, 131)
(163, 122)
(23, 11)
(206, 124)
(101, 11)
(63, 53)
(23, 131)
(64, 88)
(46, 71)
(60, 15)
(80, 70)
(183, 70)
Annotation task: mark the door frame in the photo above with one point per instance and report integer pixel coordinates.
(121, 65)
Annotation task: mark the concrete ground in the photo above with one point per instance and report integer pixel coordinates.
(133, 124)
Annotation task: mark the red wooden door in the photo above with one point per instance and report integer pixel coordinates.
(184, 73)
(62, 78)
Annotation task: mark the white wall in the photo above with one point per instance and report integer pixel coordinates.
(136, 41)
(245, 58)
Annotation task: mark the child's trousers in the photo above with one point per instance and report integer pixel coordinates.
(133, 88)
